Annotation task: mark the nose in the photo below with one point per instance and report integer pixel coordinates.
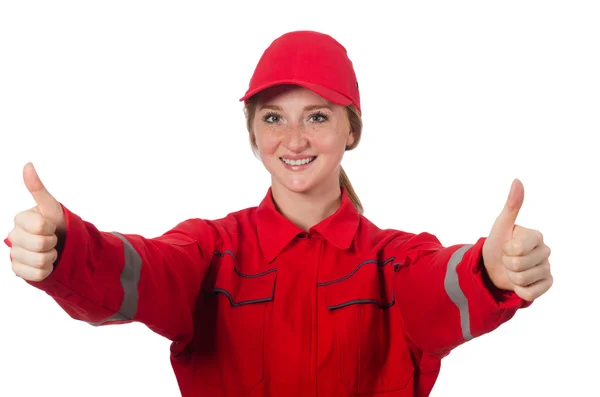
(296, 139)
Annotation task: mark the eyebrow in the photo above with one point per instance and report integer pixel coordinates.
(306, 108)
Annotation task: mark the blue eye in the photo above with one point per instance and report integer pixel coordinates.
(271, 117)
(318, 117)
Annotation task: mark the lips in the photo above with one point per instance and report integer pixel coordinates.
(298, 161)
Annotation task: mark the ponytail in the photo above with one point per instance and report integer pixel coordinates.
(345, 182)
(355, 119)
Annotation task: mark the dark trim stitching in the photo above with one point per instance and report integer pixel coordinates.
(228, 252)
(236, 304)
(253, 275)
(363, 301)
(347, 276)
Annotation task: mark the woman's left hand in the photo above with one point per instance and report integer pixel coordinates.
(516, 258)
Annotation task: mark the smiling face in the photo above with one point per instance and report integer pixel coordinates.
(300, 138)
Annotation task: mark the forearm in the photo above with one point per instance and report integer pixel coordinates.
(109, 278)
(445, 297)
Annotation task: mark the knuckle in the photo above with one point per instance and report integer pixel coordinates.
(528, 295)
(38, 275)
(46, 243)
(518, 279)
(517, 247)
(516, 263)
(49, 259)
(38, 243)
(17, 218)
(22, 218)
(37, 227)
(53, 241)
(540, 236)
(547, 268)
(39, 260)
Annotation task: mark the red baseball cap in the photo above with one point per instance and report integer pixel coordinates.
(309, 59)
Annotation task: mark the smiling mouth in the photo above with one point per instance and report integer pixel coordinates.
(299, 162)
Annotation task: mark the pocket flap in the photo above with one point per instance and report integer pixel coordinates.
(242, 288)
(370, 282)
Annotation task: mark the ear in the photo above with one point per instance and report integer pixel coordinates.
(350, 139)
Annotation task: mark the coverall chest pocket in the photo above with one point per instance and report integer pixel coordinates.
(242, 303)
(373, 355)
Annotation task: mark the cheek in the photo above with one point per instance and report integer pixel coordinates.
(333, 143)
(267, 142)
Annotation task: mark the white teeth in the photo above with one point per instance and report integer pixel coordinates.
(298, 162)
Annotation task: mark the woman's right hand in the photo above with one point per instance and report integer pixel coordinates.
(37, 233)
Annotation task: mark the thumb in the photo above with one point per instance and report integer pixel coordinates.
(47, 205)
(506, 220)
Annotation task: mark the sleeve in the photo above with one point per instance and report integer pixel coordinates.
(111, 278)
(445, 296)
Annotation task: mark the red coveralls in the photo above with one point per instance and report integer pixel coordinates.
(256, 307)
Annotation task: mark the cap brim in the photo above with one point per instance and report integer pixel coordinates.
(330, 95)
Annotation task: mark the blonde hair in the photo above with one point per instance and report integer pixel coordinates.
(356, 125)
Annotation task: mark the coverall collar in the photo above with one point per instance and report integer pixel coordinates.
(275, 231)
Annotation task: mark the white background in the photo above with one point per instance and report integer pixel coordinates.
(130, 112)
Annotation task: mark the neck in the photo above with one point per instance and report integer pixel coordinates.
(307, 209)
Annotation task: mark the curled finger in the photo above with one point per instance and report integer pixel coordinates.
(37, 260)
(29, 273)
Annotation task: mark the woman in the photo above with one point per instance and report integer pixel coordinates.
(301, 295)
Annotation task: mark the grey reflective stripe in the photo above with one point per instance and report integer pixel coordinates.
(130, 277)
(455, 293)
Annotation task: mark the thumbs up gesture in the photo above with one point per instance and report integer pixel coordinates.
(516, 258)
(35, 235)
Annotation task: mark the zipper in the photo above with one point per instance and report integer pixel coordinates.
(315, 355)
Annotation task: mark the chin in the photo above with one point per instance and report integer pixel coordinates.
(297, 185)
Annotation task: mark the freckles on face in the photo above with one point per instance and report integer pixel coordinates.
(300, 136)
(297, 118)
